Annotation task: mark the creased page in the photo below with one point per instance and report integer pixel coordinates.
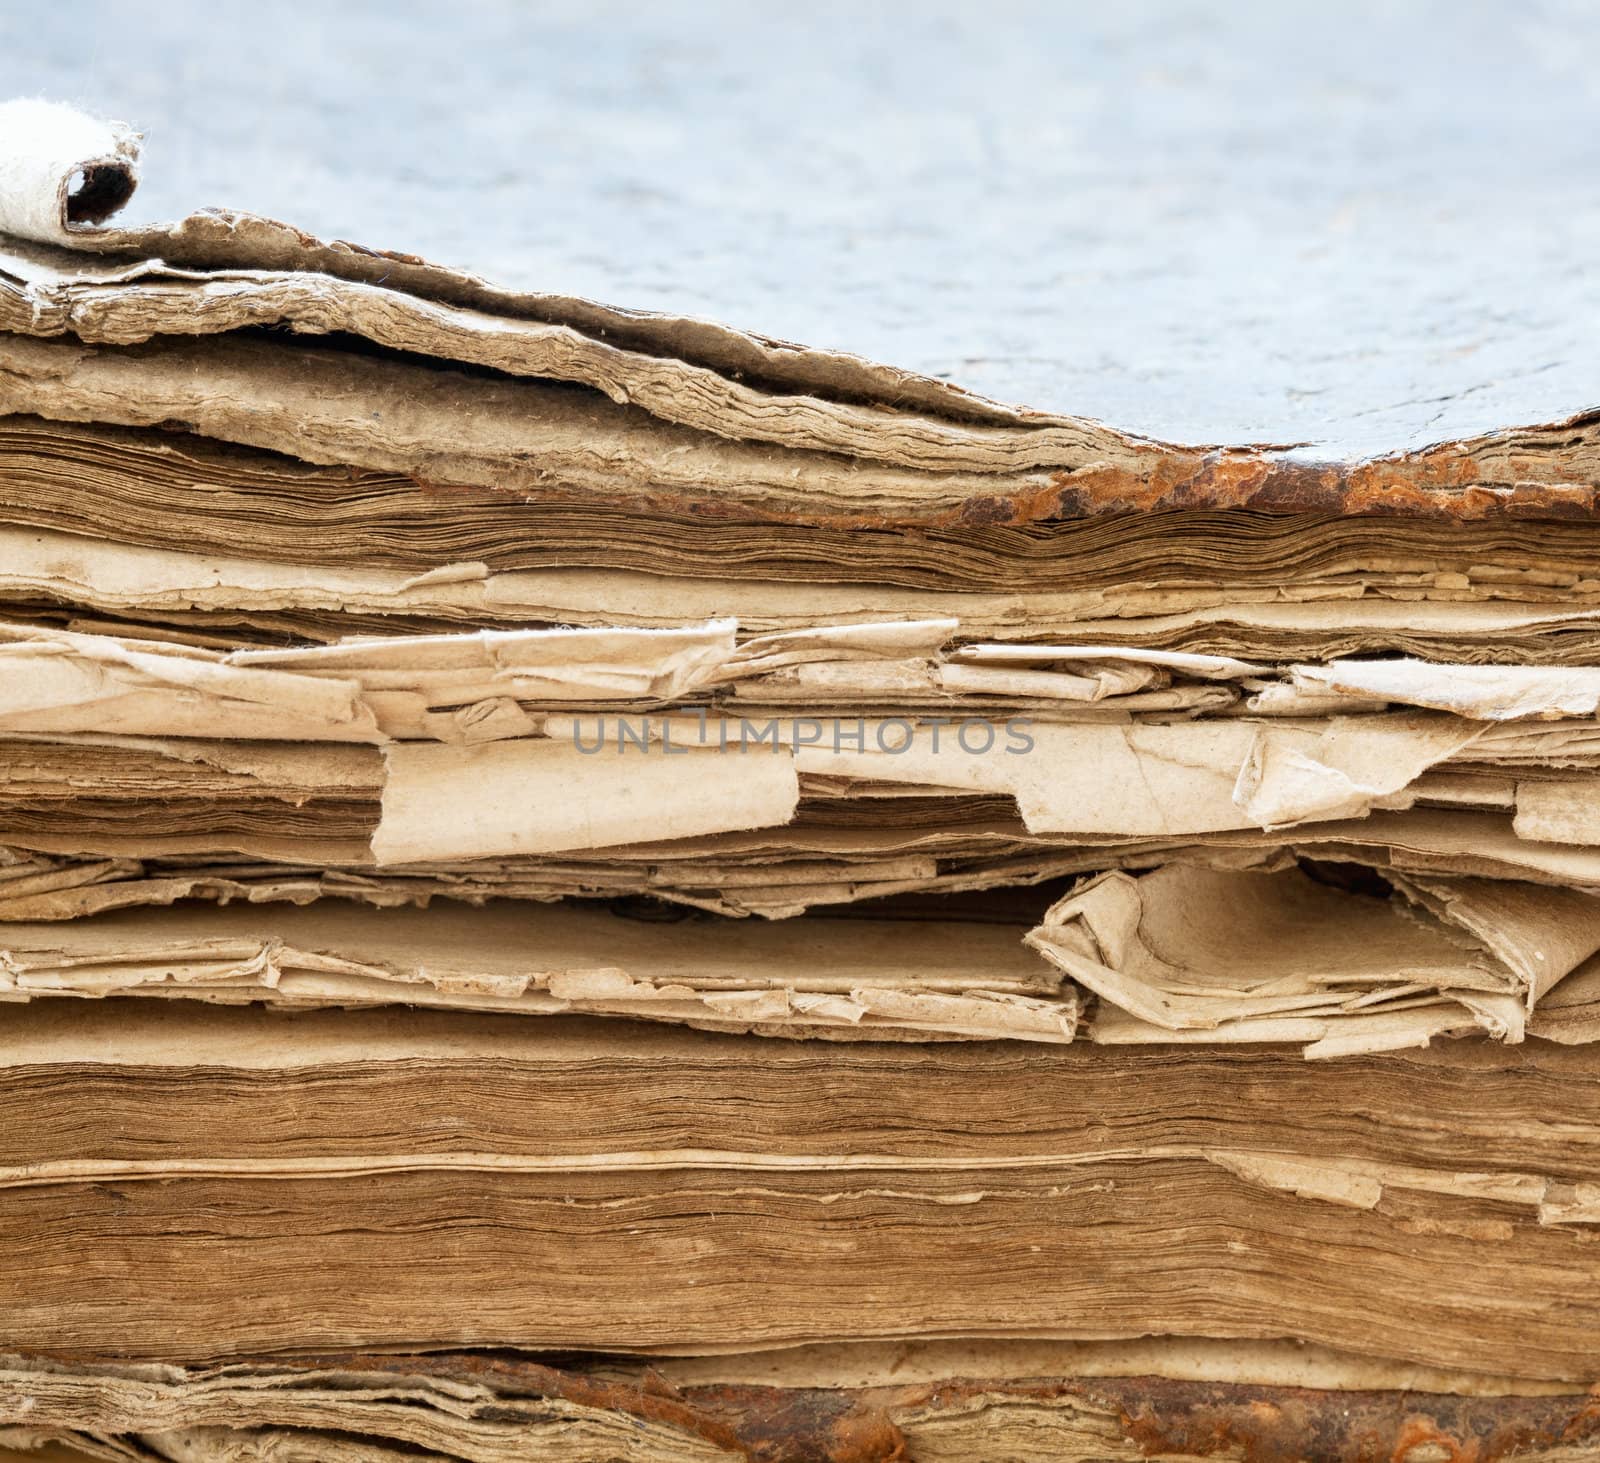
(96, 683)
(1297, 774)
(1486, 692)
(1540, 935)
(1279, 957)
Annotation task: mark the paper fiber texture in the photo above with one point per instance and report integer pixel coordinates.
(539, 797)
(647, 1155)
(334, 577)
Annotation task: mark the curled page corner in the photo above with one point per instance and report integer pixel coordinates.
(62, 174)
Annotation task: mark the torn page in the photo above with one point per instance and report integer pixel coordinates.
(1279, 957)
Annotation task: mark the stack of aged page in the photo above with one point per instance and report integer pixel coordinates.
(391, 659)
(336, 576)
(267, 1223)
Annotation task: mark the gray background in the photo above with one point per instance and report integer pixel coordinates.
(1363, 226)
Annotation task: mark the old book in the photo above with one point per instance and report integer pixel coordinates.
(425, 1179)
(1144, 748)
(405, 671)
(1180, 674)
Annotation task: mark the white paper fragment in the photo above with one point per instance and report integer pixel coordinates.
(61, 173)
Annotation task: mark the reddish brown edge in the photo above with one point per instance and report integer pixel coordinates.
(1442, 483)
(1161, 1418)
(1533, 476)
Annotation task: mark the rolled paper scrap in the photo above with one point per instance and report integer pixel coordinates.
(62, 174)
